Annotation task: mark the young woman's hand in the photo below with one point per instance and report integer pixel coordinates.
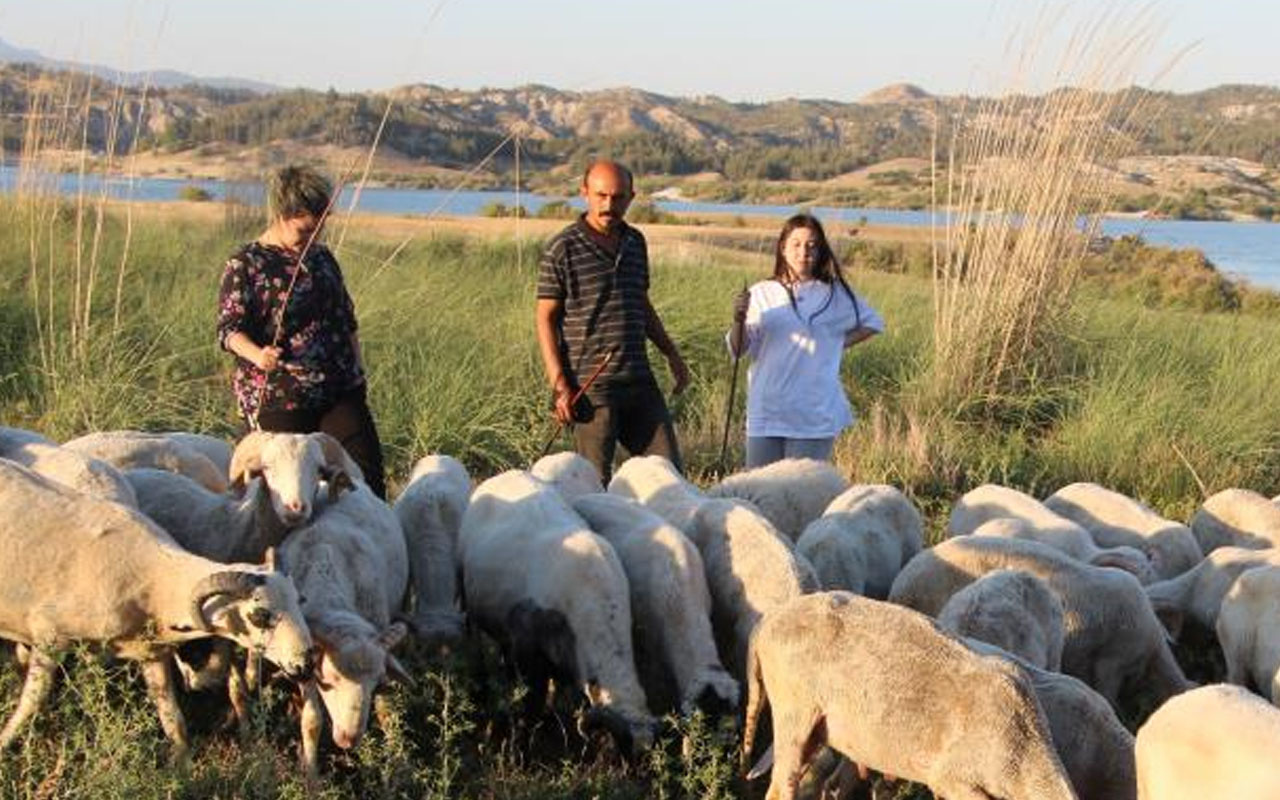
(741, 301)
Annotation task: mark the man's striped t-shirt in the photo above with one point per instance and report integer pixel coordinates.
(605, 301)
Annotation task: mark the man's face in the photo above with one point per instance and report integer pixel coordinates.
(607, 193)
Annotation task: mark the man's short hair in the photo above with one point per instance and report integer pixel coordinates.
(600, 162)
(297, 190)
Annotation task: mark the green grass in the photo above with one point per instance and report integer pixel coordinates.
(1150, 402)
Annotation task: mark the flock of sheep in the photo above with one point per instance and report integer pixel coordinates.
(987, 666)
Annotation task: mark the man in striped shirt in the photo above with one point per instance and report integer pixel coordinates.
(594, 316)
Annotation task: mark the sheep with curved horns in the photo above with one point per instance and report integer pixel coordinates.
(1116, 520)
(1249, 631)
(986, 505)
(1012, 610)
(127, 450)
(862, 540)
(71, 469)
(556, 598)
(790, 493)
(1213, 742)
(1095, 748)
(430, 510)
(1198, 592)
(352, 569)
(292, 465)
(670, 603)
(886, 688)
(570, 473)
(1111, 632)
(1236, 518)
(84, 569)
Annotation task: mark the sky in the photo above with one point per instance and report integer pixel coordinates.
(741, 50)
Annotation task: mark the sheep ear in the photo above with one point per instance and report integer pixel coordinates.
(336, 458)
(246, 460)
(338, 480)
(393, 634)
(397, 672)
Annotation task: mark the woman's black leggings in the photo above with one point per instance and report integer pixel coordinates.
(349, 421)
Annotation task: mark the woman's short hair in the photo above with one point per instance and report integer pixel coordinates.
(297, 190)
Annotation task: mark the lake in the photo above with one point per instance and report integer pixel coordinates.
(1245, 250)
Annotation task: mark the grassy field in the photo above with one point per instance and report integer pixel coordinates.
(1163, 404)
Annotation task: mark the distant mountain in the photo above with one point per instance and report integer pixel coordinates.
(163, 79)
(896, 93)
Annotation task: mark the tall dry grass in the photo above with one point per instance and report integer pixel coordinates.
(1024, 178)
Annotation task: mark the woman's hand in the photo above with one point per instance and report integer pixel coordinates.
(268, 359)
(741, 301)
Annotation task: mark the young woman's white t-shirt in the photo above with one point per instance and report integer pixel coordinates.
(793, 384)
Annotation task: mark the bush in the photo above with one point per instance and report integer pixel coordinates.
(503, 210)
(650, 214)
(556, 209)
(194, 194)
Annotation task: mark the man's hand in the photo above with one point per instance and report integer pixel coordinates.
(562, 407)
(679, 372)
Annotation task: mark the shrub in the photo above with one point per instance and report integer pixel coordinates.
(194, 194)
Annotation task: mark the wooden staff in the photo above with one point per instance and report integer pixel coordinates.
(573, 401)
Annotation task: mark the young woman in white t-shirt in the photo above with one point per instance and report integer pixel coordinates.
(795, 328)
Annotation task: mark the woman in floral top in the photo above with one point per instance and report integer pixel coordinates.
(300, 370)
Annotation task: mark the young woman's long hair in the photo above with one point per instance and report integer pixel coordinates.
(827, 269)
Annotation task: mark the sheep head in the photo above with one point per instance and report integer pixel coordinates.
(350, 667)
(259, 610)
(292, 466)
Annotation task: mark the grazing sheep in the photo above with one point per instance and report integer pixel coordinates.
(751, 570)
(1213, 742)
(1115, 520)
(984, 506)
(223, 527)
(555, 596)
(790, 493)
(71, 469)
(862, 540)
(292, 466)
(1198, 592)
(430, 510)
(1249, 631)
(569, 472)
(891, 692)
(1111, 633)
(1237, 518)
(1095, 747)
(79, 568)
(1013, 610)
(670, 603)
(653, 482)
(352, 570)
(127, 450)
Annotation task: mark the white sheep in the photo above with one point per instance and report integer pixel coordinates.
(1111, 632)
(670, 603)
(791, 493)
(556, 597)
(888, 690)
(653, 482)
(352, 570)
(79, 568)
(1236, 518)
(430, 510)
(1198, 592)
(127, 450)
(69, 468)
(214, 448)
(1013, 610)
(862, 540)
(1213, 742)
(1249, 631)
(983, 506)
(751, 570)
(569, 472)
(1095, 747)
(1116, 520)
(292, 465)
